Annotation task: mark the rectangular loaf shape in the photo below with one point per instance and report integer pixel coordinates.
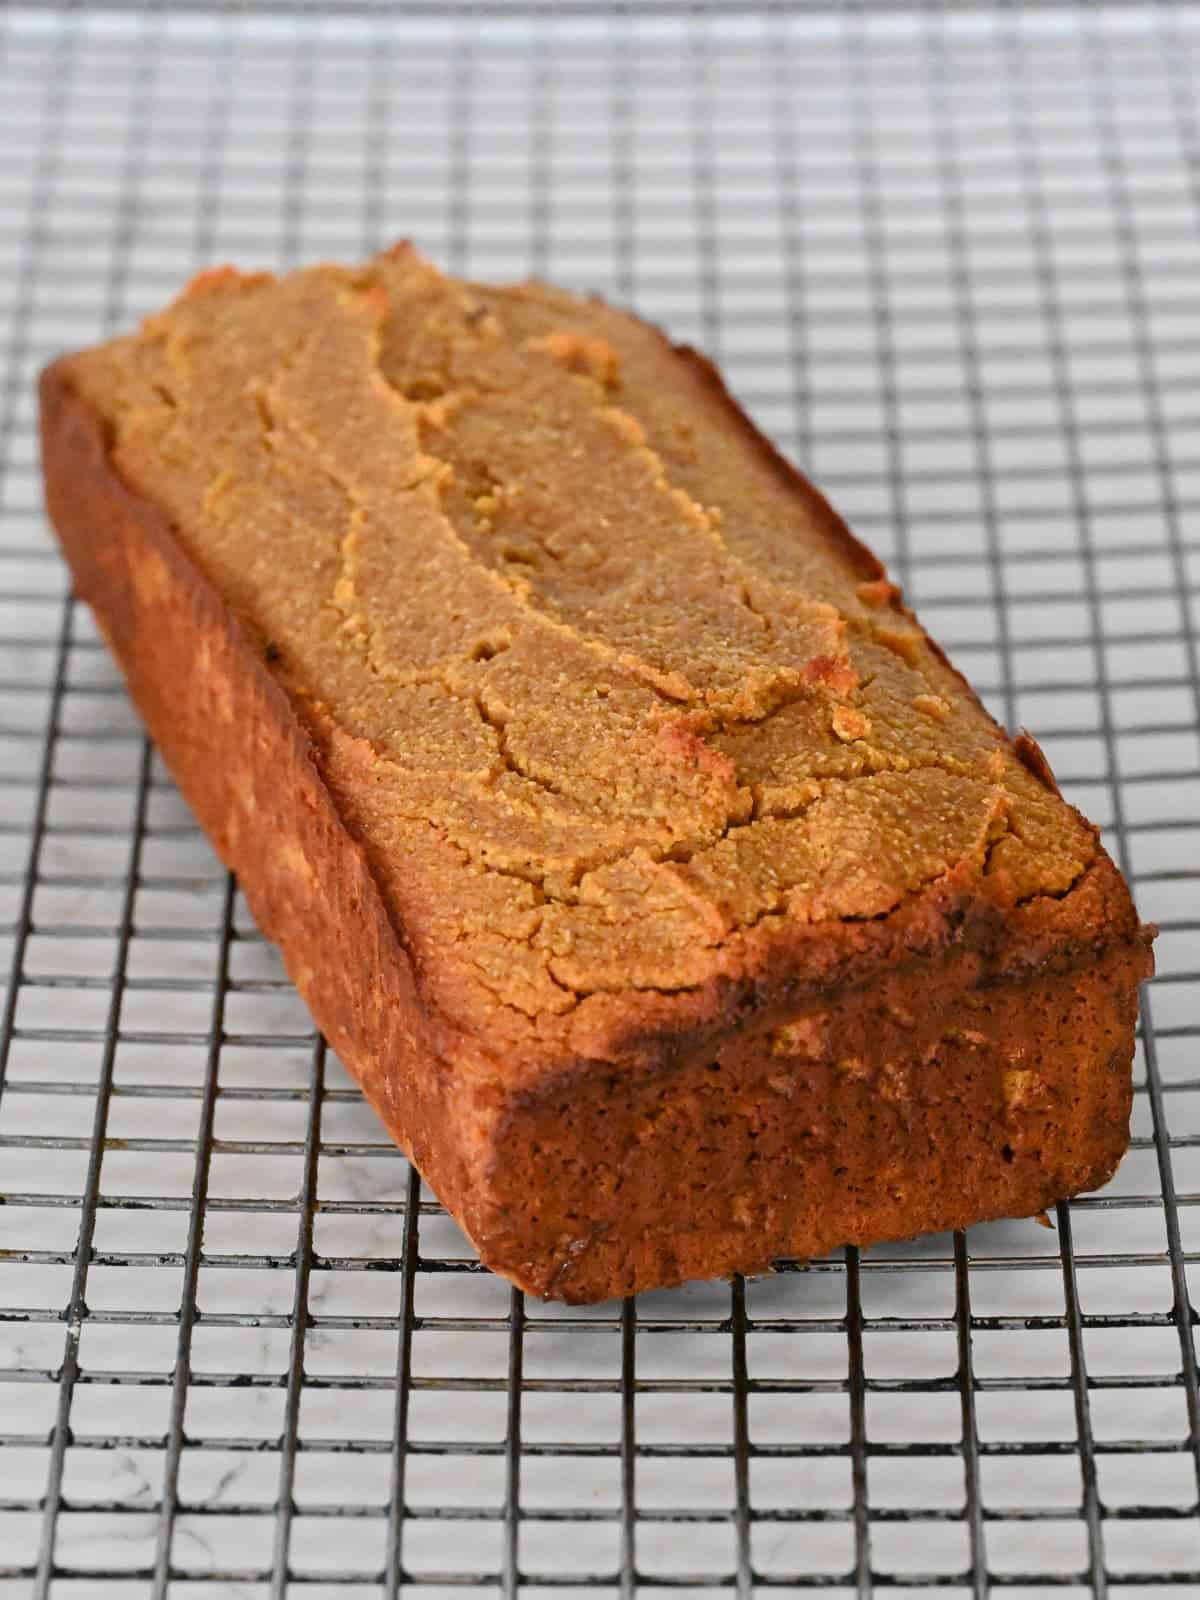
(676, 904)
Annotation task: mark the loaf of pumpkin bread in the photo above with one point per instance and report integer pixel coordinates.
(676, 904)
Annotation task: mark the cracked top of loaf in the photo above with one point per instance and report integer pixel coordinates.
(607, 693)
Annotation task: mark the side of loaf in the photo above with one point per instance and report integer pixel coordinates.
(676, 904)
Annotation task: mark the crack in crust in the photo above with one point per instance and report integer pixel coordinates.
(752, 708)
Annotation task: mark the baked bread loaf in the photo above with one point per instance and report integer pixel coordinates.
(675, 903)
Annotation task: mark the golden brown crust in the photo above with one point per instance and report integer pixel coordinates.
(662, 1143)
(237, 750)
(911, 1106)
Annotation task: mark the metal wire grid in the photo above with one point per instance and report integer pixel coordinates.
(950, 261)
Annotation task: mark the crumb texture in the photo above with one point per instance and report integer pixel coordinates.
(601, 687)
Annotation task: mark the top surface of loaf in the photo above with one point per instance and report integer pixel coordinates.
(605, 690)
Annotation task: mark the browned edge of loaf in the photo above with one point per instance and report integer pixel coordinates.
(861, 556)
(597, 1179)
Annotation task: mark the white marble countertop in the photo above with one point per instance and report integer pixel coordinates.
(952, 267)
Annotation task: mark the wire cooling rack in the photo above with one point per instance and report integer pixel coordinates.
(951, 261)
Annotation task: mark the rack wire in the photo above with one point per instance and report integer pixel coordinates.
(949, 258)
